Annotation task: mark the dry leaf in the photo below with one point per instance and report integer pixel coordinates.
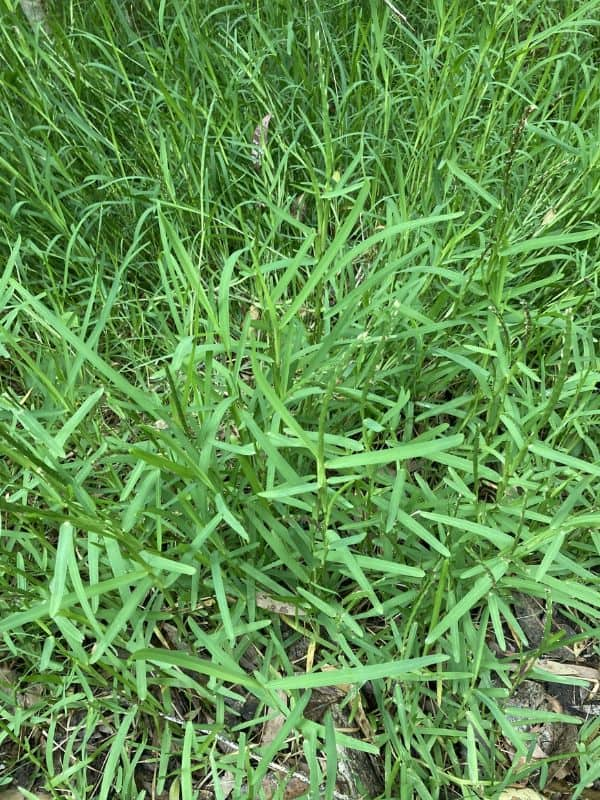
(34, 11)
(295, 788)
(520, 794)
(7, 678)
(227, 781)
(298, 208)
(26, 699)
(588, 674)
(277, 607)
(322, 699)
(342, 687)
(259, 141)
(549, 217)
(273, 725)
(15, 794)
(361, 720)
(310, 655)
(33, 695)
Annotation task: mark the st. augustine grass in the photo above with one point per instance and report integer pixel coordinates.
(348, 371)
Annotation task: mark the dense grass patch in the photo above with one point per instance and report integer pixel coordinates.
(348, 371)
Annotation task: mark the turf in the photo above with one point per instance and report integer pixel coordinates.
(326, 379)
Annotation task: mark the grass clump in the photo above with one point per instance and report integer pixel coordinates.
(334, 389)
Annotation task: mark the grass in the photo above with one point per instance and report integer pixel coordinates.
(338, 390)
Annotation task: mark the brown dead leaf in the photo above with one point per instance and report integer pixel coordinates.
(7, 678)
(562, 788)
(295, 787)
(32, 696)
(342, 687)
(26, 699)
(273, 725)
(588, 674)
(259, 141)
(35, 13)
(310, 655)
(520, 794)
(277, 606)
(227, 781)
(298, 207)
(168, 636)
(361, 720)
(322, 699)
(269, 786)
(15, 794)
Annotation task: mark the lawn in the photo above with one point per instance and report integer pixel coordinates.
(300, 399)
